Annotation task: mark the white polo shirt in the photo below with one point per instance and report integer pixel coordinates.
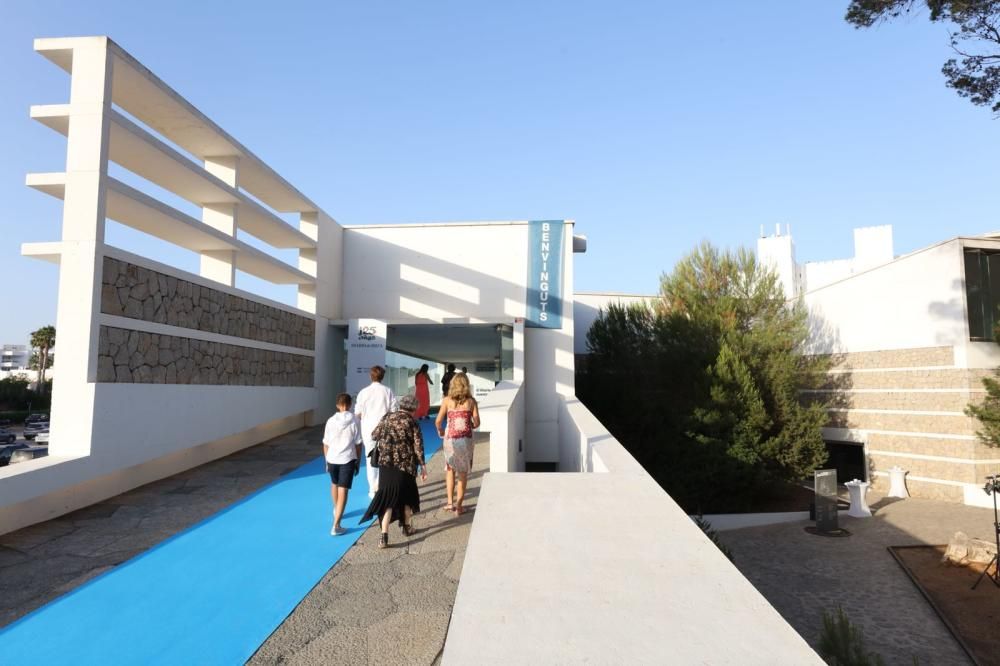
(374, 401)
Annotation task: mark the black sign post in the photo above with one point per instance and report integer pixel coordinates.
(825, 501)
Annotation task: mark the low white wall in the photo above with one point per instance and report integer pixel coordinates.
(46, 488)
(585, 445)
(174, 427)
(614, 572)
(501, 414)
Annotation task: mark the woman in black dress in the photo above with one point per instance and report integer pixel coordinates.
(400, 446)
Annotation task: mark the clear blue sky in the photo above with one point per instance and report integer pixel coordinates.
(654, 125)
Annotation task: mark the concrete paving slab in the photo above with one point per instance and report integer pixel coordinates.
(424, 593)
(347, 647)
(408, 638)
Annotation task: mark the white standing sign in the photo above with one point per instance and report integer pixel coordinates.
(365, 348)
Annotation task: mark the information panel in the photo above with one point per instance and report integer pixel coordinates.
(545, 283)
(826, 499)
(365, 348)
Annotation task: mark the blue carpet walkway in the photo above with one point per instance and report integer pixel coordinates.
(209, 595)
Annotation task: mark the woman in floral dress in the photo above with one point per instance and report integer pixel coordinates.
(401, 455)
(462, 413)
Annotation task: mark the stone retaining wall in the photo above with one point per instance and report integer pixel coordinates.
(126, 356)
(135, 292)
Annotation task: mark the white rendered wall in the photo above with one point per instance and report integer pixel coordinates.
(916, 301)
(325, 298)
(502, 416)
(818, 274)
(441, 272)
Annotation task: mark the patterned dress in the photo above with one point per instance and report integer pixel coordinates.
(401, 448)
(457, 445)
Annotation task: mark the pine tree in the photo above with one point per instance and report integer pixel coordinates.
(988, 411)
(704, 387)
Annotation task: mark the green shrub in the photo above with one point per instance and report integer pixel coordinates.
(713, 536)
(841, 643)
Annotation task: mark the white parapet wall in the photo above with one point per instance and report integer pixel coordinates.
(603, 568)
(502, 415)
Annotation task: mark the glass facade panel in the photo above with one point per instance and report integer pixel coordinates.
(982, 290)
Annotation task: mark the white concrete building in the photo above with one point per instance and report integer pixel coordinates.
(911, 339)
(872, 247)
(161, 370)
(14, 358)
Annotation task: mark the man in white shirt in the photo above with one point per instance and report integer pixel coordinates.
(374, 401)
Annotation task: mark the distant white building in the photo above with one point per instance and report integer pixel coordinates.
(15, 361)
(14, 358)
(911, 338)
(872, 248)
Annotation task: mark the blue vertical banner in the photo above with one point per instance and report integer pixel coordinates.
(545, 275)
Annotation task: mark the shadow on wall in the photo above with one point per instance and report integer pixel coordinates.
(951, 311)
(420, 285)
(834, 391)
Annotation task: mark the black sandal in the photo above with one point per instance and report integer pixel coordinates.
(408, 530)
(384, 541)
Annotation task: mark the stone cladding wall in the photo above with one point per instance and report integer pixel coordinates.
(126, 356)
(135, 292)
(890, 396)
(894, 358)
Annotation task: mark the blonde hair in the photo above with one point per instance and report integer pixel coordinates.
(458, 389)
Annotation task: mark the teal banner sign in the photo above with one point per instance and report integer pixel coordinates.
(545, 283)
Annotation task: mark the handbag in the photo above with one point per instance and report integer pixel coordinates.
(374, 456)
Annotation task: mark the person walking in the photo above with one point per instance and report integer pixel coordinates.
(421, 383)
(400, 457)
(374, 402)
(462, 413)
(341, 448)
(446, 380)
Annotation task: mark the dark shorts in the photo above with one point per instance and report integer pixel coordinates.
(342, 475)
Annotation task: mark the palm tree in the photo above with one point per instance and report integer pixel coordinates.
(43, 339)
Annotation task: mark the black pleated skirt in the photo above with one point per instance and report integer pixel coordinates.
(396, 489)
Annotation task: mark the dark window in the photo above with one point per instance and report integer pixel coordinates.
(982, 289)
(848, 458)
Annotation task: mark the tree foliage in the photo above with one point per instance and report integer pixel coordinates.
(703, 388)
(43, 340)
(15, 394)
(988, 411)
(974, 34)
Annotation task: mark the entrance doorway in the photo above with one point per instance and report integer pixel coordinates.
(848, 458)
(486, 351)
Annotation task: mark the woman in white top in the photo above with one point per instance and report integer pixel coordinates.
(374, 401)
